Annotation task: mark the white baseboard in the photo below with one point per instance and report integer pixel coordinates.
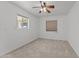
(53, 38)
(17, 47)
(73, 47)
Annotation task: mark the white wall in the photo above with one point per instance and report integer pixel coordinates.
(73, 25)
(59, 35)
(11, 37)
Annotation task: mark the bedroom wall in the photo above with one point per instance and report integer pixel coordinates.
(73, 27)
(11, 37)
(59, 35)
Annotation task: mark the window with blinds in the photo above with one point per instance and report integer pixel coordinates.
(23, 22)
(51, 25)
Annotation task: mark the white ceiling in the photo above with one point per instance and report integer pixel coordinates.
(61, 7)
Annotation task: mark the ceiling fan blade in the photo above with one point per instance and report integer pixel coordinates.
(44, 4)
(39, 11)
(41, 4)
(48, 10)
(51, 6)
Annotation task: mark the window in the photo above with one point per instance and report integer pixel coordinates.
(51, 25)
(23, 22)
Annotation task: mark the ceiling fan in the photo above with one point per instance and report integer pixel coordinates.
(45, 8)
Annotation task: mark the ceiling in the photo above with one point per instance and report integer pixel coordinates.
(61, 7)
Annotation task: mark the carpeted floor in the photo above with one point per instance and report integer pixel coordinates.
(44, 48)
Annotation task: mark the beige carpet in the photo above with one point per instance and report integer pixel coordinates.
(44, 48)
